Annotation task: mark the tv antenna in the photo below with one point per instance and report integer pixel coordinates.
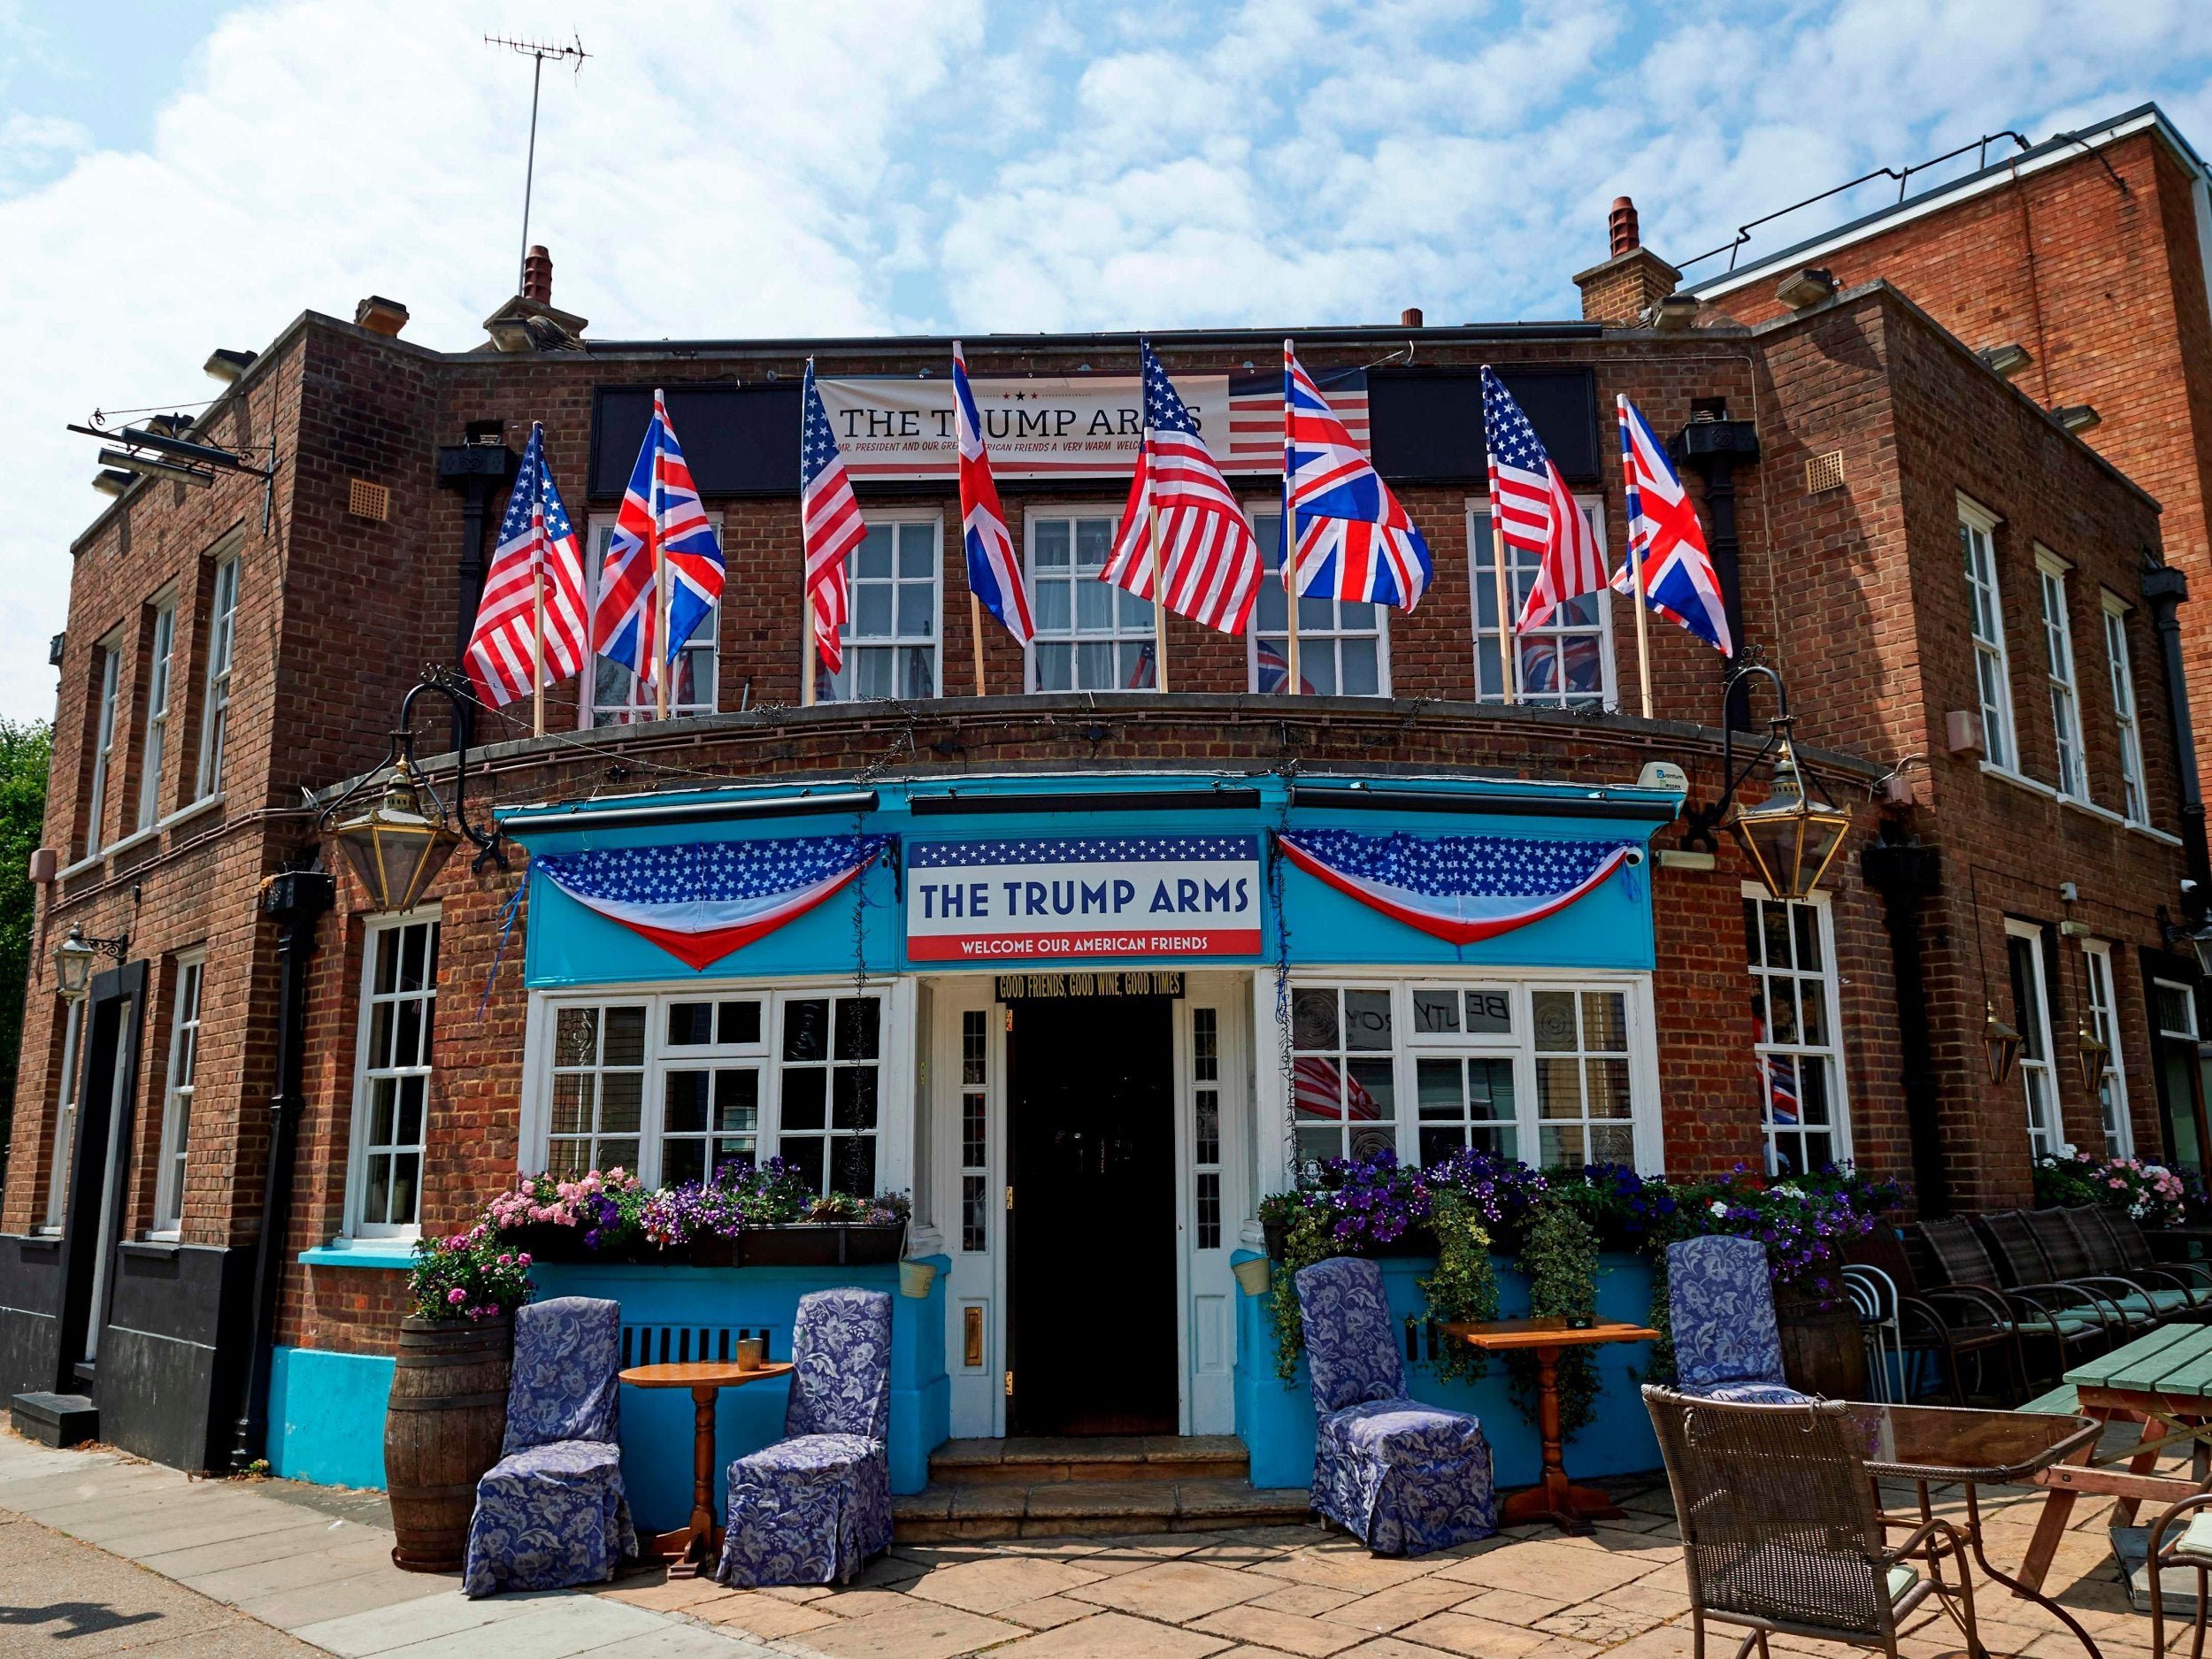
(538, 52)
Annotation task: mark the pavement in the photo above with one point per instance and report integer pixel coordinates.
(103, 1553)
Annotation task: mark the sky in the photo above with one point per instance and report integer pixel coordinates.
(178, 176)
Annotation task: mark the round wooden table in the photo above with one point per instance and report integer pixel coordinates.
(693, 1547)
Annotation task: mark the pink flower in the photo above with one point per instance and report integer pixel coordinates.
(506, 1261)
(2115, 1184)
(456, 1295)
(523, 1260)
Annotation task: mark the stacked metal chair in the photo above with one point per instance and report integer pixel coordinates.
(2071, 1321)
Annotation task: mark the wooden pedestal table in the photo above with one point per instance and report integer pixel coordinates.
(1555, 1498)
(694, 1548)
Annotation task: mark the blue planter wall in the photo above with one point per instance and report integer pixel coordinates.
(1276, 1420)
(327, 1415)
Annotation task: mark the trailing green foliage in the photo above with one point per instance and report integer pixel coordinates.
(1561, 1260)
(1464, 1287)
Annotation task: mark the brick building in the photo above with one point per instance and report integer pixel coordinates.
(232, 651)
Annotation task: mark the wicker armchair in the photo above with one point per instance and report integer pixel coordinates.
(2188, 1544)
(2136, 1255)
(2078, 1251)
(2075, 1323)
(1779, 1530)
(2019, 1255)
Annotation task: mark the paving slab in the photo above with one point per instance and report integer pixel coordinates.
(1174, 1591)
(306, 1539)
(362, 1631)
(1115, 1636)
(919, 1629)
(556, 1628)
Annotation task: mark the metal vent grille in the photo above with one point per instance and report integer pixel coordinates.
(1823, 471)
(364, 500)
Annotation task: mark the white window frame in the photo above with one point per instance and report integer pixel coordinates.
(188, 1001)
(1482, 588)
(1309, 639)
(2044, 1142)
(637, 708)
(222, 643)
(894, 1063)
(365, 1076)
(1839, 1127)
(65, 1111)
(2134, 798)
(111, 669)
(2112, 1087)
(1521, 985)
(160, 691)
(2058, 667)
(1118, 634)
(838, 688)
(1978, 544)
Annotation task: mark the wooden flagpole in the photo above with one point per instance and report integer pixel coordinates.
(1159, 582)
(975, 636)
(1636, 564)
(537, 653)
(1509, 669)
(1291, 682)
(660, 630)
(806, 626)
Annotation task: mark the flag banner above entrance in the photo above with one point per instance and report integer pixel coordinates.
(1131, 896)
(1074, 426)
(699, 901)
(1463, 888)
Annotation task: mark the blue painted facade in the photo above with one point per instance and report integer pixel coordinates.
(326, 1417)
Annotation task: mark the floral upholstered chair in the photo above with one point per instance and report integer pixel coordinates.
(1407, 1479)
(1720, 1300)
(551, 1513)
(813, 1507)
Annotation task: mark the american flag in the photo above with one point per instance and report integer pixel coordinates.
(1464, 888)
(1208, 553)
(994, 574)
(534, 536)
(830, 521)
(700, 900)
(1532, 508)
(1679, 583)
(1315, 1082)
(661, 511)
(1354, 540)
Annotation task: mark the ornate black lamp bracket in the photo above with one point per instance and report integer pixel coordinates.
(443, 680)
(1698, 833)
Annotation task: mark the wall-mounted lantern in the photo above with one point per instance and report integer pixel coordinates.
(74, 958)
(1793, 836)
(2001, 1046)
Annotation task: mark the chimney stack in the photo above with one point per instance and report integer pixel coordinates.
(537, 275)
(1411, 317)
(1620, 225)
(1631, 282)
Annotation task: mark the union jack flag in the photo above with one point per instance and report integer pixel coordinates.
(1354, 540)
(829, 520)
(1208, 555)
(1532, 508)
(1274, 670)
(1663, 533)
(534, 536)
(994, 575)
(661, 513)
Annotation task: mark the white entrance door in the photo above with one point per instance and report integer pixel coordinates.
(967, 1119)
(1212, 1117)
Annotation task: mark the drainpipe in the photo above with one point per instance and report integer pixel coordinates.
(1905, 873)
(2165, 589)
(295, 900)
(1716, 448)
(476, 469)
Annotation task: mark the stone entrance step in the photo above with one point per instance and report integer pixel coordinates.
(1036, 1460)
(1026, 1487)
(53, 1419)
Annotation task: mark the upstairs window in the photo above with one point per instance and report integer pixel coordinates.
(1992, 675)
(619, 697)
(176, 1102)
(155, 750)
(891, 643)
(2058, 670)
(2031, 1017)
(392, 1101)
(1343, 644)
(1793, 1032)
(221, 639)
(108, 669)
(1565, 663)
(2134, 804)
(2112, 1083)
(1090, 635)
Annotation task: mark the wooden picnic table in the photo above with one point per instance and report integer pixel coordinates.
(2162, 1381)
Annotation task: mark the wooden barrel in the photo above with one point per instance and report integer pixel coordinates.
(1823, 1352)
(442, 1429)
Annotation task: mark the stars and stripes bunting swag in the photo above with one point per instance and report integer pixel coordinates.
(535, 538)
(699, 901)
(994, 575)
(1532, 511)
(661, 514)
(1210, 560)
(830, 522)
(1665, 538)
(1353, 540)
(1461, 888)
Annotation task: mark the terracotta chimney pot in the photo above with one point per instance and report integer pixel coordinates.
(537, 276)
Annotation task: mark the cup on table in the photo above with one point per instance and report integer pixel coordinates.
(752, 1352)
